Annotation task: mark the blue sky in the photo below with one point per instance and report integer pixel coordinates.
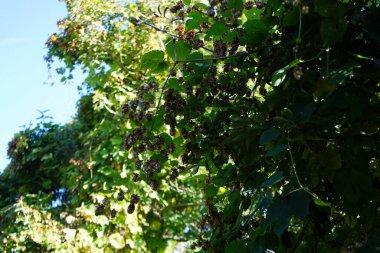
(25, 85)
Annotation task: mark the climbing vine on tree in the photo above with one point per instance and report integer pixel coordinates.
(235, 126)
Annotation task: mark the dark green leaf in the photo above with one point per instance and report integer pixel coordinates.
(274, 179)
(275, 151)
(218, 28)
(332, 30)
(269, 135)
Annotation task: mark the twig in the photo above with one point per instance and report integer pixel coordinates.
(162, 92)
(296, 174)
(164, 31)
(213, 58)
(299, 27)
(293, 165)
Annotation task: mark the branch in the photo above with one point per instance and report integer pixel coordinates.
(164, 31)
(162, 92)
(179, 206)
(213, 58)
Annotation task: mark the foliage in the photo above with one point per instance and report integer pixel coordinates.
(258, 119)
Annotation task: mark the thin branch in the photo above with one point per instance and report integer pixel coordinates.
(293, 165)
(299, 27)
(213, 58)
(164, 31)
(184, 205)
(162, 92)
(296, 174)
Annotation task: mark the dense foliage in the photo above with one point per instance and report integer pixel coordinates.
(220, 126)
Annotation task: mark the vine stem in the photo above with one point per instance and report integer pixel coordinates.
(293, 164)
(161, 94)
(299, 27)
(296, 174)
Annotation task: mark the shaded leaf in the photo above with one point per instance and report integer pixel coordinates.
(275, 178)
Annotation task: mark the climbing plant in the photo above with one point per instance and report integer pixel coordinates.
(231, 125)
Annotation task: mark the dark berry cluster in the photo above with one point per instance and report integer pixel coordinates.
(177, 7)
(220, 48)
(249, 5)
(100, 208)
(134, 200)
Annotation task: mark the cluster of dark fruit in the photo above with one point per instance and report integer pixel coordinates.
(103, 206)
(134, 200)
(177, 7)
(220, 48)
(137, 109)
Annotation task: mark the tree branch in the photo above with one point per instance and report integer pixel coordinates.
(164, 31)
(213, 58)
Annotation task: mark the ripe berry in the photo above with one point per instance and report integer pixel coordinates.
(99, 210)
(248, 5)
(131, 208)
(113, 213)
(135, 177)
(135, 199)
(120, 196)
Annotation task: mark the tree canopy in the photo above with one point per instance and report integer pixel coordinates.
(205, 126)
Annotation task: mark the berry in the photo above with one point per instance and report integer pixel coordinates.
(113, 213)
(120, 196)
(259, 4)
(136, 177)
(99, 210)
(174, 174)
(248, 5)
(131, 208)
(135, 199)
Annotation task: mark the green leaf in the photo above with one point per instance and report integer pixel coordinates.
(153, 60)
(117, 241)
(328, 8)
(275, 151)
(211, 191)
(279, 75)
(274, 179)
(256, 31)
(269, 135)
(182, 49)
(236, 246)
(217, 29)
(278, 217)
(320, 202)
(211, 164)
(195, 18)
(299, 203)
(235, 4)
(332, 30)
(339, 75)
(292, 17)
(187, 2)
(117, 140)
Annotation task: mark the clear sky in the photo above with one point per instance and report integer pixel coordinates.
(24, 78)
